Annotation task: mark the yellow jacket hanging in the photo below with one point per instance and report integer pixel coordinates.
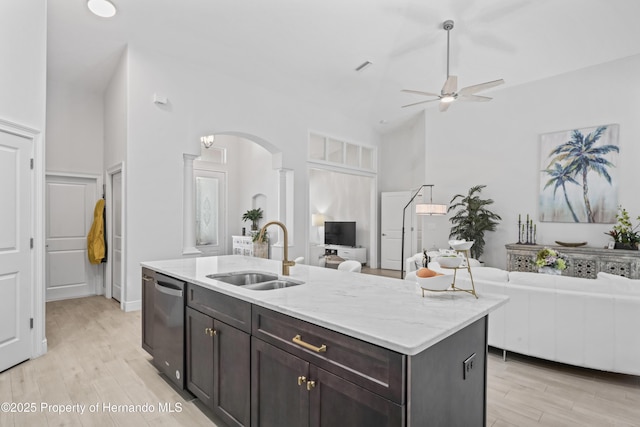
(95, 239)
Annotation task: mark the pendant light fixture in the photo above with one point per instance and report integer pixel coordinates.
(102, 8)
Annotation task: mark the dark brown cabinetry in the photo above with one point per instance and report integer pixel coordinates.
(278, 392)
(259, 367)
(310, 368)
(148, 278)
(290, 391)
(218, 355)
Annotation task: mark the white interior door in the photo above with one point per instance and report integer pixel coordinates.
(116, 236)
(70, 202)
(15, 249)
(392, 205)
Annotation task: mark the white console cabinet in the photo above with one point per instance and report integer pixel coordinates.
(242, 245)
(346, 252)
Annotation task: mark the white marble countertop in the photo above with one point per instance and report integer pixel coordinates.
(387, 312)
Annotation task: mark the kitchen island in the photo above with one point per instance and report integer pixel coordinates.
(339, 349)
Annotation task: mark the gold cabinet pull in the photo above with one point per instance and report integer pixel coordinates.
(310, 385)
(302, 379)
(298, 340)
(209, 331)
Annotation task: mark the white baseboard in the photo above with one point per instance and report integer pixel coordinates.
(132, 305)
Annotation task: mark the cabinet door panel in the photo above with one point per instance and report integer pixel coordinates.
(232, 374)
(337, 402)
(199, 355)
(277, 398)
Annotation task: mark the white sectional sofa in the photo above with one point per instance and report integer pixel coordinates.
(581, 322)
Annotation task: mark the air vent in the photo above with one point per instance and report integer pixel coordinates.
(364, 66)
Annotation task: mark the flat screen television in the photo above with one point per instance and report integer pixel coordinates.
(342, 233)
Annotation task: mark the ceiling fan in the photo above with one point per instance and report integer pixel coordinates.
(450, 92)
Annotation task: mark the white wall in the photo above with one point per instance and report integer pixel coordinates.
(341, 197)
(202, 101)
(23, 49)
(23, 32)
(115, 115)
(74, 129)
(497, 144)
(401, 156)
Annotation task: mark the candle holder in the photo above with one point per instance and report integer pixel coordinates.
(527, 231)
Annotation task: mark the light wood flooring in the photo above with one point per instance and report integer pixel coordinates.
(95, 357)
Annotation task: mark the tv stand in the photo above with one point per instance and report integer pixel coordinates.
(347, 252)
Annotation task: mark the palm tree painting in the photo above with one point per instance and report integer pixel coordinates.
(578, 175)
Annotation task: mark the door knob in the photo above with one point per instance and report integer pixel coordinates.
(302, 379)
(310, 385)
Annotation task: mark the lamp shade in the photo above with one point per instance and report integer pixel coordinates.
(317, 220)
(431, 209)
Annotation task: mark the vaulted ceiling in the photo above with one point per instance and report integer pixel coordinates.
(310, 48)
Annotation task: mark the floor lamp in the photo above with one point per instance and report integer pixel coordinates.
(421, 209)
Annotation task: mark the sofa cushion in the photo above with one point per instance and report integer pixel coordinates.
(531, 279)
(491, 274)
(620, 284)
(571, 284)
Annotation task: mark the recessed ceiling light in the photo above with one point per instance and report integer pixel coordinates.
(102, 8)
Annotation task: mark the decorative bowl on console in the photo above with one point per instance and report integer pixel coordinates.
(571, 244)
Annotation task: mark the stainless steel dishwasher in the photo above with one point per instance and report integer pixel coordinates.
(168, 328)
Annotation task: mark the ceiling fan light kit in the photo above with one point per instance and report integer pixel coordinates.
(449, 92)
(101, 8)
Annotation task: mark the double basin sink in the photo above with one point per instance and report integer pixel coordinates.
(255, 280)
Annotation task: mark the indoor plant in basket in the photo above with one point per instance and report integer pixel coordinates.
(472, 219)
(624, 233)
(550, 261)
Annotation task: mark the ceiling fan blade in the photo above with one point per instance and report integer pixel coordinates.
(451, 85)
(444, 106)
(470, 90)
(475, 98)
(419, 92)
(421, 102)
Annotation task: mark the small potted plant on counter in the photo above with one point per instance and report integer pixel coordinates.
(624, 233)
(253, 215)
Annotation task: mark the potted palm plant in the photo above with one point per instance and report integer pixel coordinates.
(472, 219)
(253, 215)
